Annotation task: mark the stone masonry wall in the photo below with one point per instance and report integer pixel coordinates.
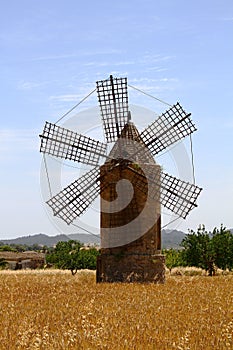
(138, 259)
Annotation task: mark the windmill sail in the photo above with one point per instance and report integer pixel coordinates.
(63, 143)
(167, 129)
(113, 100)
(177, 195)
(73, 200)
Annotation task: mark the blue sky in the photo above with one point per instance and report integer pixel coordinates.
(52, 52)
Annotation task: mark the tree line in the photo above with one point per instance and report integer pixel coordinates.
(14, 247)
(203, 249)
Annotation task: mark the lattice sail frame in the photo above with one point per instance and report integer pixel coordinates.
(67, 144)
(177, 195)
(73, 200)
(170, 127)
(113, 100)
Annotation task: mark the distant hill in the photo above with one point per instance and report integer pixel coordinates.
(85, 238)
(40, 239)
(50, 241)
(170, 239)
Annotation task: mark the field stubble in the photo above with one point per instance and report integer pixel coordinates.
(53, 310)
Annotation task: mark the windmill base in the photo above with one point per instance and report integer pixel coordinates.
(133, 267)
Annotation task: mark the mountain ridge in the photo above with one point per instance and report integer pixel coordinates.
(38, 238)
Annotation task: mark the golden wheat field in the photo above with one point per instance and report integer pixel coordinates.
(55, 310)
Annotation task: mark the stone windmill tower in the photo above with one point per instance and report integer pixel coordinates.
(131, 184)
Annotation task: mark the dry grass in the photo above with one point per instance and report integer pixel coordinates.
(54, 310)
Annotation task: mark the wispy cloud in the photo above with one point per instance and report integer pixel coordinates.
(29, 85)
(148, 58)
(15, 140)
(153, 86)
(83, 91)
(109, 63)
(54, 57)
(66, 97)
(145, 60)
(152, 80)
(78, 54)
(227, 19)
(156, 69)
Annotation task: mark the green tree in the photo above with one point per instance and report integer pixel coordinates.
(207, 250)
(65, 255)
(198, 250)
(222, 241)
(7, 248)
(87, 258)
(19, 247)
(71, 255)
(173, 258)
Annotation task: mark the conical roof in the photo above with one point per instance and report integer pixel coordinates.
(130, 146)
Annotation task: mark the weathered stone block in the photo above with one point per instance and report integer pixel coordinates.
(131, 268)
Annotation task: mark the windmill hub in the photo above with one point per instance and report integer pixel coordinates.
(130, 220)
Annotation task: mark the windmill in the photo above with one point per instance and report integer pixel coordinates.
(132, 186)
